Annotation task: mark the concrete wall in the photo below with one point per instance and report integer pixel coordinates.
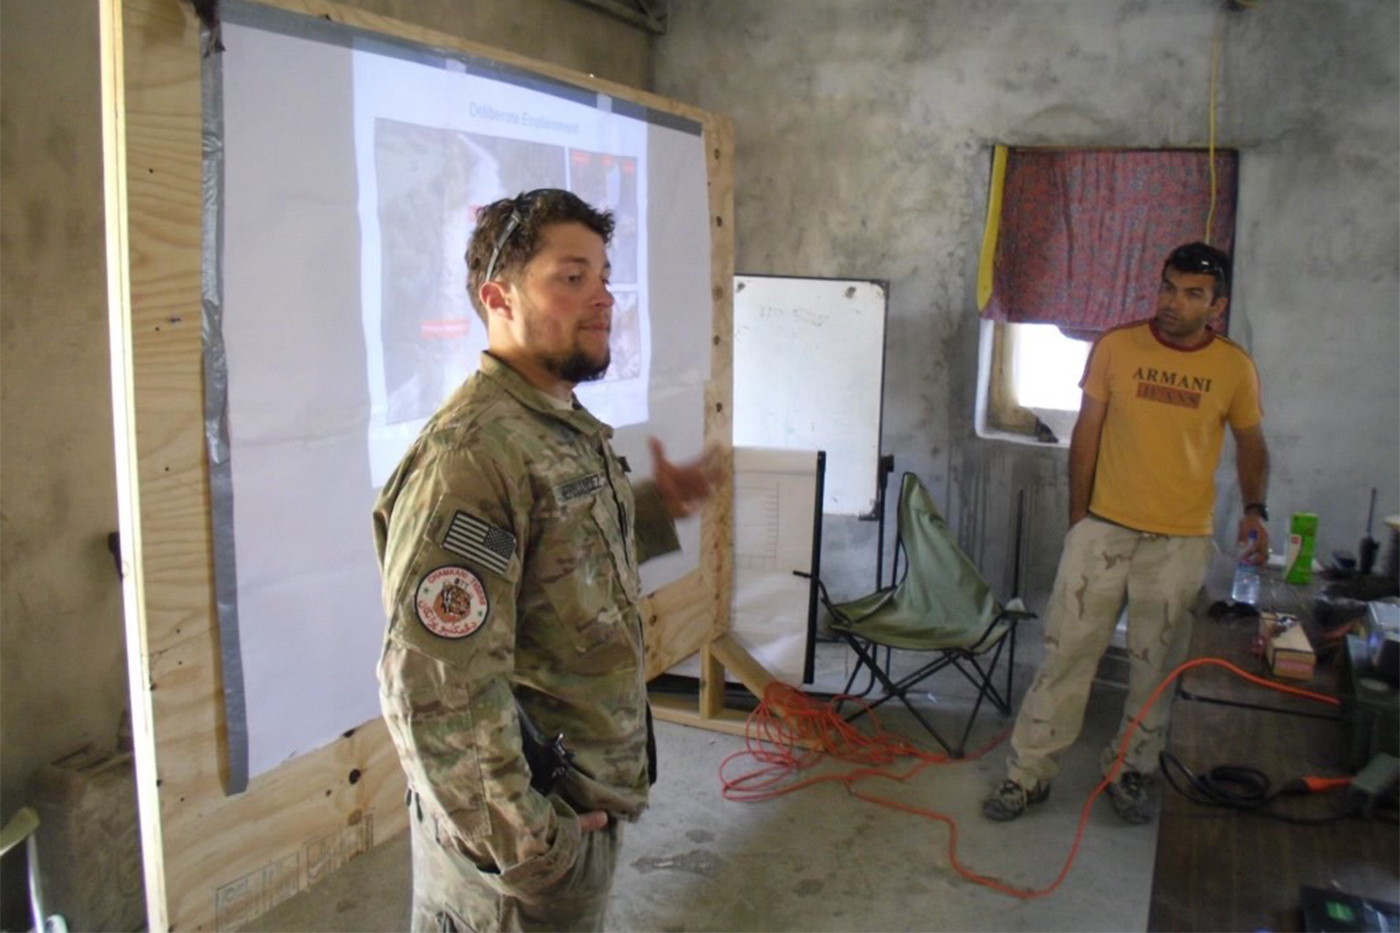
(62, 658)
(862, 133)
(62, 669)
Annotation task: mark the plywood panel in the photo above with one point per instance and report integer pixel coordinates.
(217, 861)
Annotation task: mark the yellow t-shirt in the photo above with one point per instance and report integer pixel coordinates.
(1167, 410)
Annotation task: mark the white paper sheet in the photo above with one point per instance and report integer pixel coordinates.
(774, 500)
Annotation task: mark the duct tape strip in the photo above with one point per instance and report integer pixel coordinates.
(216, 423)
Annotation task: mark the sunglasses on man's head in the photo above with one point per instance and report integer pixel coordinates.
(523, 204)
(1194, 261)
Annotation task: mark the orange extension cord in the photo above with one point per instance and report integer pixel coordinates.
(787, 718)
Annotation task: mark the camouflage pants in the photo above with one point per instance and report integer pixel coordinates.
(1102, 565)
(451, 895)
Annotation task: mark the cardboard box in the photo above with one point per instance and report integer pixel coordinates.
(89, 841)
(1286, 646)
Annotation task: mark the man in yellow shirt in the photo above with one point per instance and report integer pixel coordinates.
(1157, 397)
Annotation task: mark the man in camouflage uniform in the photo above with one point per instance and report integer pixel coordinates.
(1157, 397)
(509, 538)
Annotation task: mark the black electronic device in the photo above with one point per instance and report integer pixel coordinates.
(1371, 706)
(1383, 639)
(1370, 547)
(548, 759)
(1337, 912)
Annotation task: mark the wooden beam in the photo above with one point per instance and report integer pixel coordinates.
(682, 711)
(734, 657)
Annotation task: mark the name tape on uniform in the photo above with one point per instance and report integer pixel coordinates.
(578, 488)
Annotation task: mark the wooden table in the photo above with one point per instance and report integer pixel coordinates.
(1221, 869)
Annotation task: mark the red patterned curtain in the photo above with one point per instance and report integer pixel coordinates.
(1083, 234)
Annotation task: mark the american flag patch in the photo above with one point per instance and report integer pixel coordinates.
(470, 537)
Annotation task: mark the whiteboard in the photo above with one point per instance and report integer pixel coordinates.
(809, 370)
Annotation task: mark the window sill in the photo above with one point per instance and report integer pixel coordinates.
(996, 434)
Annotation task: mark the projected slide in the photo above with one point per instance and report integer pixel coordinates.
(430, 183)
(433, 146)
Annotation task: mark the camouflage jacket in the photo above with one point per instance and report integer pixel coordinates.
(509, 560)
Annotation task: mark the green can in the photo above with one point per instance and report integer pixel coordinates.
(1302, 532)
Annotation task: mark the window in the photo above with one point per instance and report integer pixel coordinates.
(1032, 385)
(1074, 246)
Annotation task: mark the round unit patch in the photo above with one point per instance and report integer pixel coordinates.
(451, 602)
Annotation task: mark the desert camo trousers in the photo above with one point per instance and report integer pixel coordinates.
(450, 895)
(1103, 565)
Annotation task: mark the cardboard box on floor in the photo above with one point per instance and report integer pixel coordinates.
(1286, 646)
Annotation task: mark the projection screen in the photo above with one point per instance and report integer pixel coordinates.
(342, 175)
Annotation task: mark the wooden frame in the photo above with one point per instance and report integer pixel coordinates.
(217, 861)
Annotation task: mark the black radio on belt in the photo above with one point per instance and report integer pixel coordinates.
(548, 758)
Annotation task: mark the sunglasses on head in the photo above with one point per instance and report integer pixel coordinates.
(523, 205)
(1195, 260)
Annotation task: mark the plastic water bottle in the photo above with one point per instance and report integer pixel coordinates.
(1245, 589)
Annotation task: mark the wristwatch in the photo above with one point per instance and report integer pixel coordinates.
(1259, 507)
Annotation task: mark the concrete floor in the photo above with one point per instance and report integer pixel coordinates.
(821, 859)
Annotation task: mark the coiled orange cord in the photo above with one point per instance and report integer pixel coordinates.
(787, 719)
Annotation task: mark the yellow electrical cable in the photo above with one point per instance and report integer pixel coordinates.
(1216, 45)
(1214, 71)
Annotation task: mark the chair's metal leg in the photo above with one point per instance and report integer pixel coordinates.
(987, 689)
(870, 684)
(929, 726)
(36, 888)
(899, 690)
(855, 672)
(910, 681)
(868, 660)
(984, 678)
(1010, 665)
(967, 729)
(1001, 701)
(892, 689)
(863, 661)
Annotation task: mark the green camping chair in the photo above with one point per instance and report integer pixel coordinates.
(23, 827)
(941, 606)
